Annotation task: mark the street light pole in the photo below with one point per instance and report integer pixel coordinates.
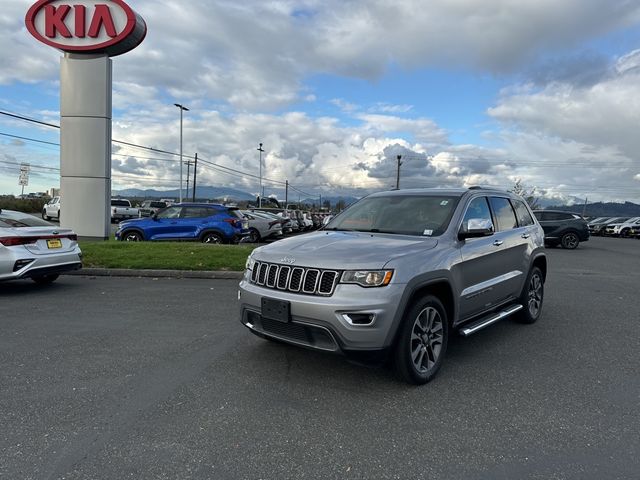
(260, 191)
(182, 108)
(399, 158)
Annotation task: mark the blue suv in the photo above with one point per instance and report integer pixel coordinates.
(204, 222)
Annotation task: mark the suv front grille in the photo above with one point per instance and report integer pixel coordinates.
(310, 281)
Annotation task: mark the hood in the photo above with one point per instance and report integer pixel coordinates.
(135, 221)
(342, 250)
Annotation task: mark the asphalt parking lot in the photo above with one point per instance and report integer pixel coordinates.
(113, 378)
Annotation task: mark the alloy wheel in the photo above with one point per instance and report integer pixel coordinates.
(426, 339)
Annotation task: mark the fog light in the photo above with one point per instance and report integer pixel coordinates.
(22, 263)
(360, 319)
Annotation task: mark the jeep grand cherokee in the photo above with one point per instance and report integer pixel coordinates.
(397, 273)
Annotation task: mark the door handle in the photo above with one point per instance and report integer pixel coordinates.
(497, 243)
(525, 235)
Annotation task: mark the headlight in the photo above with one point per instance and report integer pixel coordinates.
(367, 278)
(249, 263)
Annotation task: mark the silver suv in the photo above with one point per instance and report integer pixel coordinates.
(396, 273)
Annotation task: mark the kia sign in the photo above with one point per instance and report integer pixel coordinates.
(110, 27)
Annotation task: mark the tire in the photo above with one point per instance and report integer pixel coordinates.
(625, 233)
(45, 279)
(422, 341)
(132, 236)
(44, 215)
(532, 297)
(254, 236)
(569, 241)
(211, 237)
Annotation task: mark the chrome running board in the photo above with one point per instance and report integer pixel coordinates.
(486, 321)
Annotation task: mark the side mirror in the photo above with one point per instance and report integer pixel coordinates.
(154, 216)
(476, 227)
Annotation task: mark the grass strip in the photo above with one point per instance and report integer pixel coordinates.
(164, 255)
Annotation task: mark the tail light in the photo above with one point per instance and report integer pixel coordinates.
(275, 222)
(234, 222)
(13, 241)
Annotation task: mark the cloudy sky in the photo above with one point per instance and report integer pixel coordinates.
(468, 92)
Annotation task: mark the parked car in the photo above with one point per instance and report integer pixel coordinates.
(35, 249)
(306, 218)
(121, 209)
(260, 227)
(635, 232)
(149, 207)
(51, 209)
(562, 228)
(285, 223)
(621, 229)
(396, 273)
(600, 228)
(204, 222)
(596, 224)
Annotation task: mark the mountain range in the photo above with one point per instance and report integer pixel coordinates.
(228, 194)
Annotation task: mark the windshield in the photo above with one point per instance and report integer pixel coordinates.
(26, 221)
(403, 215)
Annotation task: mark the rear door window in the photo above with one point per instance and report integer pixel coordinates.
(504, 214)
(197, 212)
(522, 213)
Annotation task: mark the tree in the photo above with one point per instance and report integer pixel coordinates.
(529, 194)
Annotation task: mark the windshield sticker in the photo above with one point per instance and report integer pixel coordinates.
(428, 233)
(444, 202)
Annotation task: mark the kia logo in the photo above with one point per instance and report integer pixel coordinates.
(91, 26)
(288, 260)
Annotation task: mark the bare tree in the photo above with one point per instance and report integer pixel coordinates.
(529, 194)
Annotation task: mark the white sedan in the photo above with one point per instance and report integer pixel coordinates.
(36, 249)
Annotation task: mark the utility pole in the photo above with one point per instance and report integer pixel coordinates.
(260, 191)
(182, 108)
(188, 176)
(584, 208)
(195, 168)
(286, 193)
(399, 158)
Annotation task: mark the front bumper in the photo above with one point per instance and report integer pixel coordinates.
(319, 322)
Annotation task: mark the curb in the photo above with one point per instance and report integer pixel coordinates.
(125, 272)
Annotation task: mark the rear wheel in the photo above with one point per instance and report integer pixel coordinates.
(569, 241)
(532, 297)
(422, 341)
(254, 235)
(211, 237)
(132, 236)
(45, 279)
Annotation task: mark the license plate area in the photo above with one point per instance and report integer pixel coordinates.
(278, 310)
(54, 243)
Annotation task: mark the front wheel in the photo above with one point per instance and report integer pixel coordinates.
(211, 237)
(132, 236)
(44, 215)
(422, 341)
(45, 279)
(532, 297)
(569, 241)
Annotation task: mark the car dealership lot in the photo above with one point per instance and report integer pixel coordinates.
(156, 378)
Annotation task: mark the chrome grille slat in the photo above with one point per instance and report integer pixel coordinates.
(310, 283)
(303, 280)
(283, 277)
(295, 281)
(272, 275)
(262, 274)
